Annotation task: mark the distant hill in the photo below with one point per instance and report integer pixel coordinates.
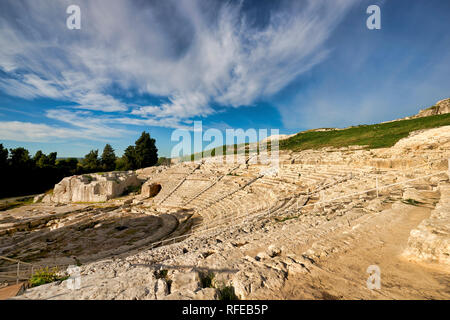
(381, 135)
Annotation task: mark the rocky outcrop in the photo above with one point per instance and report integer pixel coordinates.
(93, 187)
(430, 241)
(441, 107)
(429, 139)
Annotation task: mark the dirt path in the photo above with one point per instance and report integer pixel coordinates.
(376, 239)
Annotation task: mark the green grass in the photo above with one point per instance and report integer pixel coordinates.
(237, 149)
(8, 205)
(88, 177)
(46, 275)
(412, 202)
(373, 136)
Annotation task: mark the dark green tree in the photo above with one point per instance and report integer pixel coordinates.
(121, 164)
(129, 159)
(67, 166)
(20, 158)
(108, 158)
(38, 156)
(40, 159)
(43, 161)
(146, 151)
(3, 157)
(51, 158)
(91, 162)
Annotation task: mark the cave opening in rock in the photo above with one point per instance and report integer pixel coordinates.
(152, 190)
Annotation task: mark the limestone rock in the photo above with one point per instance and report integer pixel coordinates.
(161, 289)
(375, 205)
(181, 295)
(93, 187)
(185, 281)
(207, 294)
(38, 198)
(273, 251)
(441, 107)
(261, 256)
(430, 241)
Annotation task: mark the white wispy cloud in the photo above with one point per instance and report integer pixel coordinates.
(38, 132)
(196, 54)
(79, 125)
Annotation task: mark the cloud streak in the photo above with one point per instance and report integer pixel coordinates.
(194, 54)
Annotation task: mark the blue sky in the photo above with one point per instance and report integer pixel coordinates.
(159, 65)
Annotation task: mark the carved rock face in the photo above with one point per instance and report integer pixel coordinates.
(430, 241)
(93, 187)
(150, 190)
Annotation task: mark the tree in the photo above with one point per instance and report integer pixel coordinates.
(129, 158)
(51, 159)
(43, 161)
(3, 157)
(121, 164)
(108, 158)
(67, 166)
(4, 170)
(146, 151)
(38, 156)
(91, 162)
(20, 158)
(40, 159)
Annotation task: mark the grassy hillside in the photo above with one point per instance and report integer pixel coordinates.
(374, 136)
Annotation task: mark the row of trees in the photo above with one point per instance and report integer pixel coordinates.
(24, 174)
(143, 154)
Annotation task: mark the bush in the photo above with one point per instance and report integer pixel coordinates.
(46, 275)
(227, 293)
(207, 280)
(132, 189)
(412, 202)
(161, 274)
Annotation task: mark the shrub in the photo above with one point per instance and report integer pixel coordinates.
(161, 274)
(227, 293)
(207, 279)
(46, 275)
(132, 189)
(412, 202)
